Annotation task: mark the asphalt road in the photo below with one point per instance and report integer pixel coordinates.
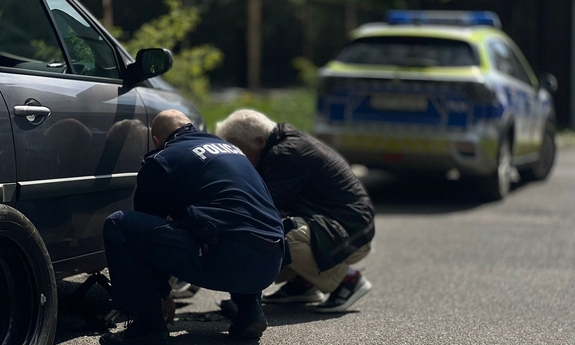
(446, 269)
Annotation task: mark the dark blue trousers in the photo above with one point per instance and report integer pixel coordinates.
(143, 251)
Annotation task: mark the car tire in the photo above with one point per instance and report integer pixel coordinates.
(497, 185)
(541, 169)
(29, 297)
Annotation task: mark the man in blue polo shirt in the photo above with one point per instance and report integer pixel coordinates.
(202, 214)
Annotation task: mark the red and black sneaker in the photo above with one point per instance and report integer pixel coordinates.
(352, 288)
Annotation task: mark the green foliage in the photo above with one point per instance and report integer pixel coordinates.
(45, 52)
(295, 106)
(307, 71)
(167, 30)
(189, 72)
(77, 47)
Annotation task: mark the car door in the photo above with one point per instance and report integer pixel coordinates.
(533, 117)
(7, 160)
(79, 135)
(519, 96)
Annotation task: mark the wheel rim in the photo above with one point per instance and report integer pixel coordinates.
(504, 168)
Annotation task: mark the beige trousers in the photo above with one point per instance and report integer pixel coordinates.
(304, 265)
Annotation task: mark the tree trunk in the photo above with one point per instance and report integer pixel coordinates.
(186, 42)
(350, 17)
(254, 42)
(307, 28)
(108, 10)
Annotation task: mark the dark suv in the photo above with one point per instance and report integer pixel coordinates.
(74, 126)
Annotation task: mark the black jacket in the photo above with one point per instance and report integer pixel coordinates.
(208, 185)
(308, 179)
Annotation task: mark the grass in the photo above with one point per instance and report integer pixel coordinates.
(295, 106)
(565, 138)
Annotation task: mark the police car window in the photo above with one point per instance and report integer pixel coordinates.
(505, 61)
(500, 57)
(27, 40)
(409, 51)
(518, 70)
(89, 52)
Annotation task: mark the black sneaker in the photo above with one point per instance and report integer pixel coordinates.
(137, 333)
(296, 290)
(351, 289)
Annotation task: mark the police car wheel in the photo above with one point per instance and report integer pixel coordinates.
(497, 185)
(29, 296)
(541, 169)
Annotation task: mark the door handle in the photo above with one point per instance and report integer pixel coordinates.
(31, 110)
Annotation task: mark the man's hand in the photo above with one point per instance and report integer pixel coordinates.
(169, 310)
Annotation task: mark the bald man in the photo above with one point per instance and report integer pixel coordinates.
(202, 214)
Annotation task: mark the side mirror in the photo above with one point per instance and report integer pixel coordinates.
(149, 63)
(548, 82)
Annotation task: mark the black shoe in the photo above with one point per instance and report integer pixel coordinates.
(250, 321)
(248, 326)
(138, 332)
(229, 308)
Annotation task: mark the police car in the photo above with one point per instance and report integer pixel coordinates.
(436, 91)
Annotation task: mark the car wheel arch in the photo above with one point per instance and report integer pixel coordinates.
(496, 185)
(540, 169)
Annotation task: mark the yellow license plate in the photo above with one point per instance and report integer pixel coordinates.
(395, 145)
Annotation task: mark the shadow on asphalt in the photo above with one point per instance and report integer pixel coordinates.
(277, 315)
(193, 328)
(95, 304)
(422, 194)
(290, 314)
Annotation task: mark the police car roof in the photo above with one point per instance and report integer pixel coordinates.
(448, 24)
(376, 29)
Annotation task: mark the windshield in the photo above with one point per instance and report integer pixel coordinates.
(409, 51)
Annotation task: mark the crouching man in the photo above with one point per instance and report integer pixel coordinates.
(332, 215)
(202, 214)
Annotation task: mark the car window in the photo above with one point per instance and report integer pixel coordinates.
(88, 50)
(505, 61)
(409, 51)
(518, 69)
(27, 39)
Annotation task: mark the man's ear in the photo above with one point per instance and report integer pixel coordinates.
(156, 141)
(261, 142)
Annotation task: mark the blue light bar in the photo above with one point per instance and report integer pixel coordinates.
(459, 18)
